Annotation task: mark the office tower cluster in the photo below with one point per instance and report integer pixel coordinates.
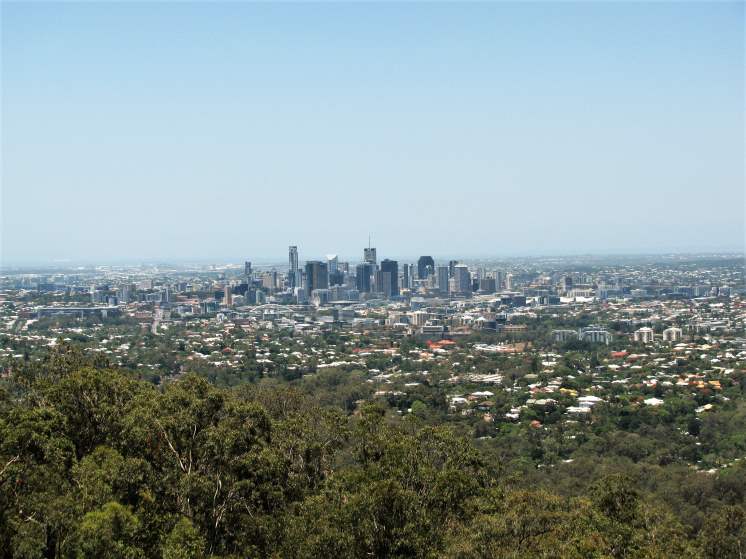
(329, 280)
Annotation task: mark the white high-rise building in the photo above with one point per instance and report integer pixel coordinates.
(332, 262)
(672, 334)
(644, 335)
(562, 336)
(595, 335)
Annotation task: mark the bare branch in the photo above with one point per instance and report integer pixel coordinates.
(165, 436)
(9, 464)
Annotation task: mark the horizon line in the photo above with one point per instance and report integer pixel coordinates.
(264, 261)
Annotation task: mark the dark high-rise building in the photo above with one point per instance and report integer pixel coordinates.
(241, 289)
(337, 277)
(425, 267)
(362, 281)
(382, 283)
(487, 285)
(390, 279)
(247, 269)
(293, 278)
(317, 276)
(443, 277)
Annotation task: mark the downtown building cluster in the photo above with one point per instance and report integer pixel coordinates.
(320, 282)
(644, 301)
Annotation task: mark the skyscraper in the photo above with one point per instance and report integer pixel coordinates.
(228, 296)
(247, 269)
(390, 269)
(462, 277)
(124, 293)
(443, 277)
(369, 255)
(293, 266)
(332, 261)
(487, 285)
(336, 278)
(362, 281)
(317, 276)
(567, 283)
(425, 267)
(406, 278)
(452, 267)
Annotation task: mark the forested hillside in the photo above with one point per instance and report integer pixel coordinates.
(94, 463)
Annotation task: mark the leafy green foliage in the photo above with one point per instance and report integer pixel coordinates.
(96, 464)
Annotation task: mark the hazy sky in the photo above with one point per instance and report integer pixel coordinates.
(229, 130)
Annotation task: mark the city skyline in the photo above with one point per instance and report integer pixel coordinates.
(479, 129)
(294, 280)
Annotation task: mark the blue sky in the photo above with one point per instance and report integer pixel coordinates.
(231, 130)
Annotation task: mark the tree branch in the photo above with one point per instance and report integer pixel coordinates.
(10, 462)
(165, 436)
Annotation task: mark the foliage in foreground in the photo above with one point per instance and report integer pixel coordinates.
(96, 464)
